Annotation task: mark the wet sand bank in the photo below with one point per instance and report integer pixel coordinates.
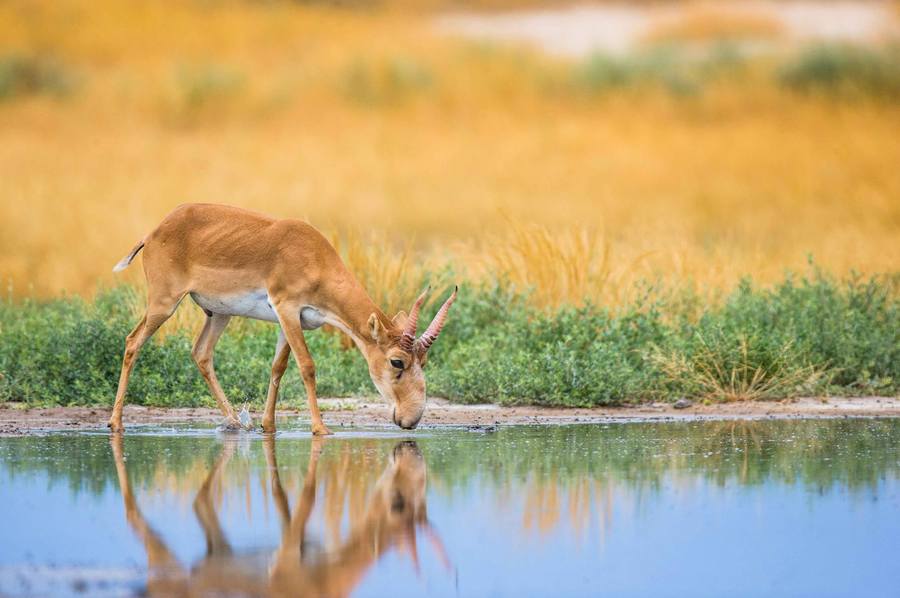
(16, 420)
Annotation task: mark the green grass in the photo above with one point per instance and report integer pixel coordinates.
(844, 70)
(838, 70)
(375, 84)
(200, 91)
(828, 69)
(667, 66)
(808, 335)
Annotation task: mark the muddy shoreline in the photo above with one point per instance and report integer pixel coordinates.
(339, 413)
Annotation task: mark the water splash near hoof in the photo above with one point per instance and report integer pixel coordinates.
(243, 422)
(244, 418)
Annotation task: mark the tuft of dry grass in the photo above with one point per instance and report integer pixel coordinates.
(558, 267)
(566, 266)
(738, 374)
(390, 272)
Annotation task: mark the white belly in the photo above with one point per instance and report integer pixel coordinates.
(254, 304)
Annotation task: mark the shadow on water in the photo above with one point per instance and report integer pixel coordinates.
(694, 508)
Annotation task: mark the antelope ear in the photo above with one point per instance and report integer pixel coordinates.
(375, 328)
(400, 320)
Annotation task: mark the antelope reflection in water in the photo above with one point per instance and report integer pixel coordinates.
(395, 512)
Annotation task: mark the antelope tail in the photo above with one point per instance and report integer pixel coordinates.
(126, 261)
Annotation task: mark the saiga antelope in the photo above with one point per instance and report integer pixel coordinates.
(234, 262)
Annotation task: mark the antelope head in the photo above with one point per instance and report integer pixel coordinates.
(397, 357)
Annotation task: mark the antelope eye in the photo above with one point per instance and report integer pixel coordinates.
(397, 364)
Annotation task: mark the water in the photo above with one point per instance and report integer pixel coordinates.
(793, 508)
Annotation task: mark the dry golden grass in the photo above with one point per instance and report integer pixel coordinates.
(439, 150)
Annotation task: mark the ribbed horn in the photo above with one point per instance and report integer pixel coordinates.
(408, 337)
(428, 337)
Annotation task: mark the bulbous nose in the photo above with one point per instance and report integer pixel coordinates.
(406, 424)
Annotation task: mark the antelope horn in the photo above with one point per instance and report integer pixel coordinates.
(408, 337)
(428, 337)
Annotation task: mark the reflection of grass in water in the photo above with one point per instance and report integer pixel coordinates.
(564, 475)
(548, 506)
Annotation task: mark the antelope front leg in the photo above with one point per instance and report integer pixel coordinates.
(203, 357)
(289, 318)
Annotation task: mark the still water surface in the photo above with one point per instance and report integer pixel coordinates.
(793, 508)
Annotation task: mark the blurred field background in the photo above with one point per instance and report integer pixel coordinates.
(715, 145)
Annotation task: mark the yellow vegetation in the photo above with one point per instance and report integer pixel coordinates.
(371, 126)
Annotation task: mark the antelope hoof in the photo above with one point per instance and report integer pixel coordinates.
(115, 427)
(321, 429)
(268, 427)
(232, 425)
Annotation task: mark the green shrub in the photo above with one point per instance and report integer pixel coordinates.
(575, 357)
(200, 91)
(601, 72)
(803, 336)
(392, 81)
(68, 352)
(667, 67)
(827, 68)
(844, 69)
(24, 74)
(795, 338)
